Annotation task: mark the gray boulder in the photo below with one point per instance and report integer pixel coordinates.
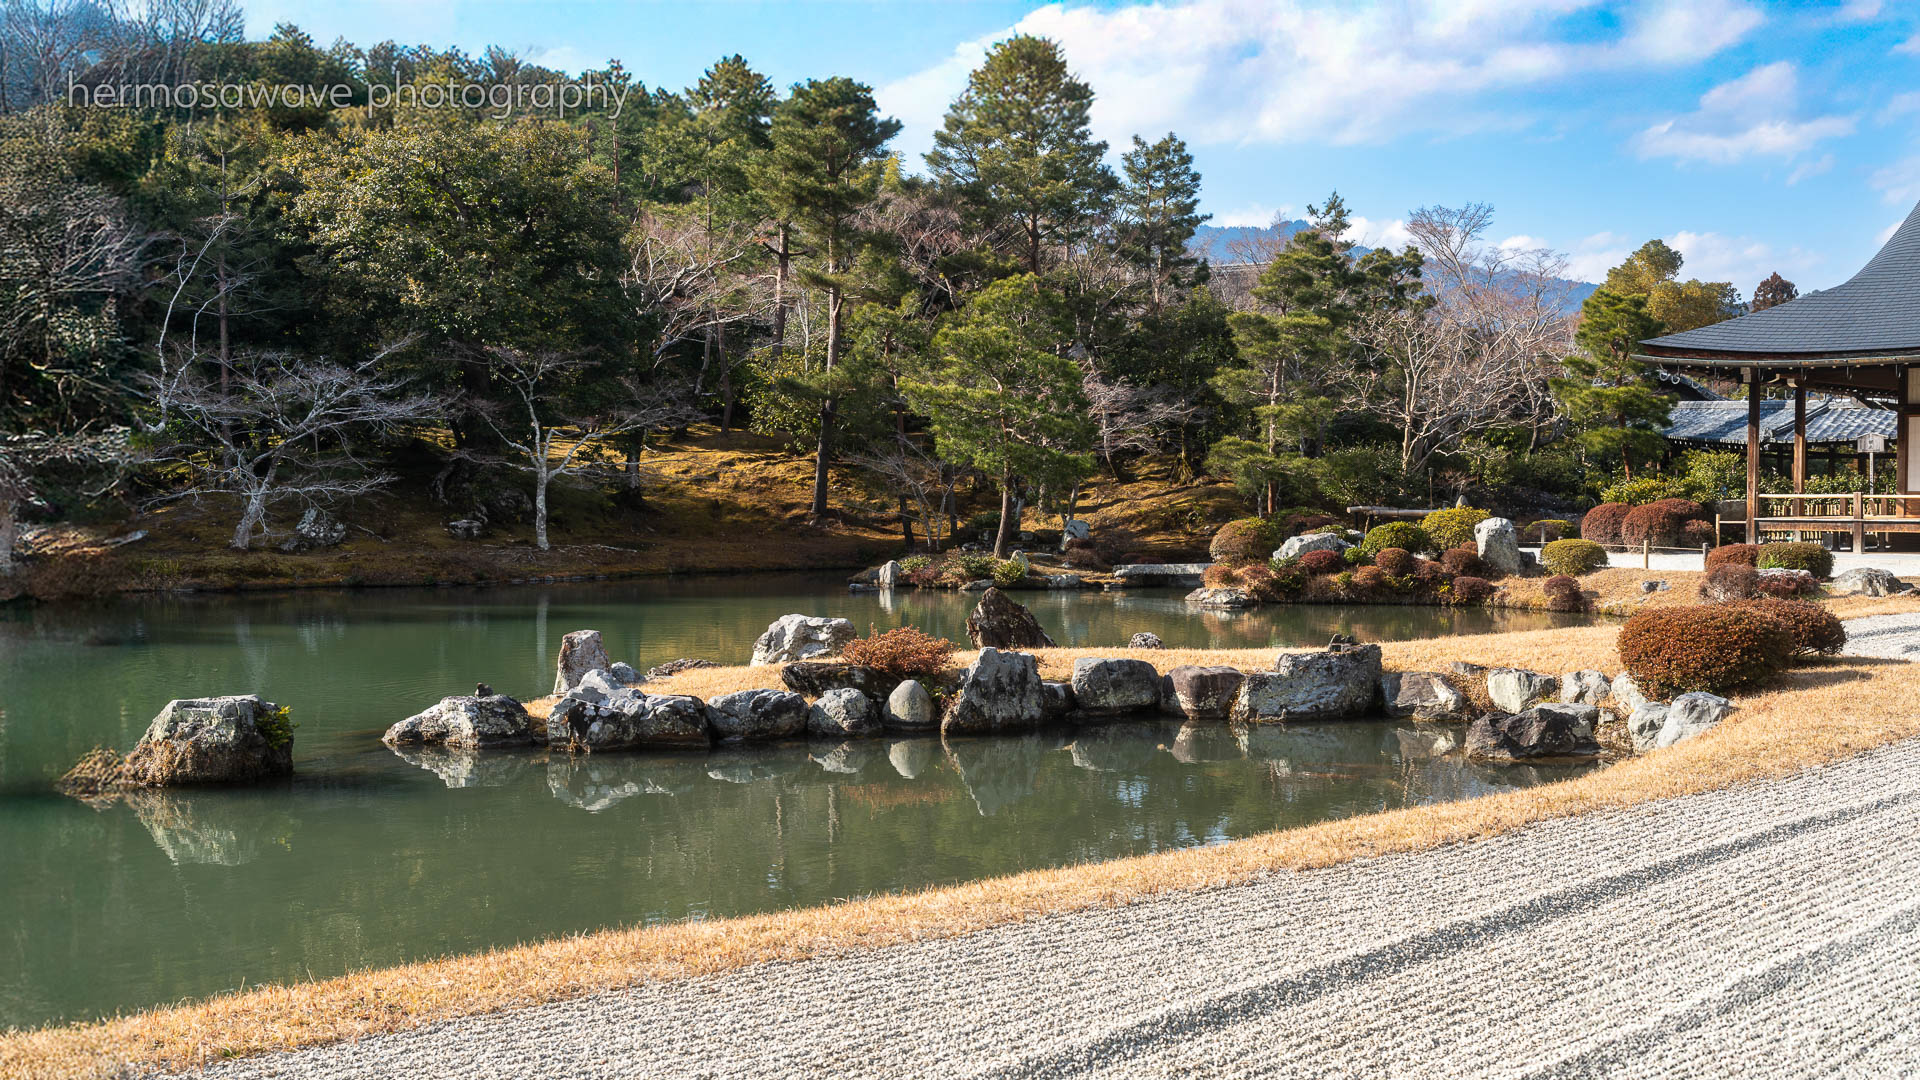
(628, 720)
(466, 529)
(1585, 687)
(1690, 715)
(1000, 623)
(843, 713)
(1644, 724)
(890, 575)
(801, 637)
(1516, 690)
(1336, 684)
(316, 529)
(596, 687)
(910, 708)
(982, 585)
(1074, 529)
(1000, 692)
(1104, 686)
(675, 667)
(471, 723)
(1205, 693)
(624, 673)
(1221, 598)
(1627, 695)
(580, 652)
(1868, 581)
(1145, 640)
(1056, 699)
(755, 715)
(218, 740)
(1296, 546)
(1544, 731)
(1499, 545)
(1423, 695)
(815, 677)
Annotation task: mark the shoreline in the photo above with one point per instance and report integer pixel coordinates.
(1811, 715)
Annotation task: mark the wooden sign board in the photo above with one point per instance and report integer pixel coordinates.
(1870, 444)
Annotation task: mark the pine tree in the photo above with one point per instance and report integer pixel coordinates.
(1158, 211)
(1607, 395)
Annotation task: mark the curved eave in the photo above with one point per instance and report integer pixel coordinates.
(1706, 358)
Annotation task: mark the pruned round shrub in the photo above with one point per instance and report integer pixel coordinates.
(1468, 589)
(1221, 575)
(1729, 582)
(1271, 581)
(1322, 562)
(1786, 586)
(1659, 524)
(904, 652)
(1394, 561)
(1395, 534)
(1464, 559)
(1740, 554)
(1713, 647)
(1370, 579)
(1698, 533)
(1812, 558)
(1355, 556)
(1246, 538)
(1574, 557)
(1602, 523)
(1813, 628)
(1563, 593)
(1453, 526)
(971, 566)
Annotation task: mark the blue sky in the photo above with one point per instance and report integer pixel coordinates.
(1753, 137)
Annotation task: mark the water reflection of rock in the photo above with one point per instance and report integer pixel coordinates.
(210, 829)
(1420, 743)
(596, 782)
(1000, 770)
(1126, 747)
(470, 768)
(911, 757)
(848, 757)
(1206, 740)
(750, 766)
(1318, 748)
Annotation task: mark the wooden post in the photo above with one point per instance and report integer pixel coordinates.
(1646, 554)
(1799, 446)
(1753, 454)
(1859, 523)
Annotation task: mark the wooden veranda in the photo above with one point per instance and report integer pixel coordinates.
(1860, 339)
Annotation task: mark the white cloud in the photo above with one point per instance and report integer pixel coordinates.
(1742, 260)
(1860, 10)
(1751, 116)
(1822, 164)
(1900, 105)
(564, 58)
(1230, 72)
(1911, 46)
(1254, 215)
(1378, 234)
(1898, 182)
(1886, 234)
(1522, 242)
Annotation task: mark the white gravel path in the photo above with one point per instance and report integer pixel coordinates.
(1895, 636)
(1765, 931)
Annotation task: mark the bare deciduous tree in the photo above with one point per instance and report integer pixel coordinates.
(551, 441)
(104, 455)
(282, 429)
(696, 281)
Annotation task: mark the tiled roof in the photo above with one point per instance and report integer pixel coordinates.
(1877, 311)
(1829, 420)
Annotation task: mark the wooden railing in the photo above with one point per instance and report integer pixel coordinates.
(1855, 513)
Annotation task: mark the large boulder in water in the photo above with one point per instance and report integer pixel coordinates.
(999, 692)
(1515, 690)
(843, 713)
(1111, 686)
(1544, 731)
(1337, 684)
(814, 678)
(754, 715)
(628, 720)
(1205, 693)
(910, 708)
(216, 740)
(580, 652)
(801, 637)
(1423, 695)
(1000, 623)
(466, 722)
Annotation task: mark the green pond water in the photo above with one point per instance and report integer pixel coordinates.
(369, 857)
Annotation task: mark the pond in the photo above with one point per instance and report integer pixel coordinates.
(371, 858)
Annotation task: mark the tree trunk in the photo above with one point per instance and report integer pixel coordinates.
(9, 530)
(824, 452)
(540, 479)
(726, 380)
(906, 521)
(250, 519)
(1007, 515)
(783, 260)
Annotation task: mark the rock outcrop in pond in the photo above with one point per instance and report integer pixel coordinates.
(801, 637)
(1544, 731)
(628, 720)
(1000, 623)
(1205, 693)
(757, 715)
(580, 652)
(1104, 686)
(999, 692)
(466, 722)
(1336, 684)
(237, 739)
(1423, 695)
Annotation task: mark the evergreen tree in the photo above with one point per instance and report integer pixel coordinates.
(1002, 400)
(1017, 146)
(1654, 272)
(824, 167)
(1158, 211)
(1773, 292)
(1606, 394)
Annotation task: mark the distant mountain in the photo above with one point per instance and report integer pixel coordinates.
(1227, 245)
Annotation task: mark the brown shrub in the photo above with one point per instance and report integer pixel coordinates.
(903, 652)
(1322, 562)
(1813, 628)
(1695, 534)
(1728, 582)
(1713, 648)
(1659, 523)
(1563, 593)
(94, 774)
(1786, 586)
(1602, 523)
(1221, 575)
(1464, 559)
(1468, 589)
(1395, 561)
(1247, 538)
(1740, 554)
(1370, 579)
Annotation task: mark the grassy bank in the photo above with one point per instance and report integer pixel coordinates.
(1813, 714)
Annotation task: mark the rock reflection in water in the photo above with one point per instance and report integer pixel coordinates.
(1206, 740)
(849, 757)
(1126, 747)
(470, 768)
(1000, 770)
(911, 757)
(596, 782)
(211, 829)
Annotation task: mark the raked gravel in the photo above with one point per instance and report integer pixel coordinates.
(1771, 930)
(1895, 636)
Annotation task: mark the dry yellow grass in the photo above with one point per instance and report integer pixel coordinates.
(1809, 716)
